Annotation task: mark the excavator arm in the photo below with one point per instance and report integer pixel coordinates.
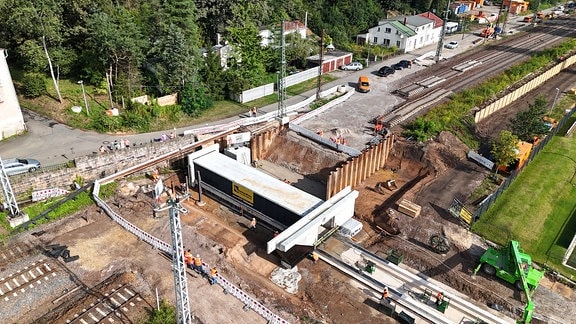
(523, 268)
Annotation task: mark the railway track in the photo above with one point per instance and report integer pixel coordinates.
(12, 253)
(23, 281)
(113, 307)
(406, 287)
(478, 65)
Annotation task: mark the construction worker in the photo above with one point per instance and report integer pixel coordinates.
(197, 266)
(439, 298)
(315, 256)
(213, 276)
(253, 224)
(385, 294)
(188, 259)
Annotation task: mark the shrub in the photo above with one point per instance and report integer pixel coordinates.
(34, 85)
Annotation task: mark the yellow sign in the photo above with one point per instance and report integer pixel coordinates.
(243, 193)
(466, 215)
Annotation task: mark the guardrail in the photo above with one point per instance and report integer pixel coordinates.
(228, 287)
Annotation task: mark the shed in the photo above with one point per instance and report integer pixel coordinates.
(332, 60)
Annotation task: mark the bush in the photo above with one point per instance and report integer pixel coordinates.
(104, 123)
(195, 99)
(34, 85)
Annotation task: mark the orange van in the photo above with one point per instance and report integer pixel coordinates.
(363, 84)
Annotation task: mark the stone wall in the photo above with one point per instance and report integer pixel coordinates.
(96, 166)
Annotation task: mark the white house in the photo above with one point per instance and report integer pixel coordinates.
(290, 27)
(12, 121)
(407, 33)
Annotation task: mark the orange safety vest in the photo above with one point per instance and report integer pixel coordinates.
(197, 262)
(187, 257)
(213, 272)
(385, 293)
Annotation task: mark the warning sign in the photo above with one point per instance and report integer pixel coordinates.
(243, 193)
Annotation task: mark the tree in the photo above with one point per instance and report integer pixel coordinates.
(504, 149)
(175, 53)
(529, 123)
(248, 63)
(116, 40)
(194, 99)
(213, 76)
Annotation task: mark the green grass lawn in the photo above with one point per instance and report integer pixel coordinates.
(539, 208)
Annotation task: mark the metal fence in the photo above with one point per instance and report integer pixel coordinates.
(535, 150)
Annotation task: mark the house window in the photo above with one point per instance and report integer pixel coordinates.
(398, 44)
(378, 29)
(375, 40)
(386, 42)
(388, 30)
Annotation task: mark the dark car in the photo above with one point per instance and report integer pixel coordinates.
(396, 66)
(385, 71)
(405, 64)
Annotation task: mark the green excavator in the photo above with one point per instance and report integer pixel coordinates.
(513, 265)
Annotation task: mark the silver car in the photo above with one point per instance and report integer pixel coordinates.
(17, 166)
(354, 66)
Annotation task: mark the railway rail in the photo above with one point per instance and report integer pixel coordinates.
(23, 281)
(113, 307)
(469, 69)
(407, 288)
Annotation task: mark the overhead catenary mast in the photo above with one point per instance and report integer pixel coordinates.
(282, 76)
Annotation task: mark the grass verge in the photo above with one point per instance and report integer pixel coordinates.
(539, 208)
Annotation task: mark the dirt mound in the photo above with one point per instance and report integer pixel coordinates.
(304, 156)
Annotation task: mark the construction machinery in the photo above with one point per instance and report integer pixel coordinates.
(487, 32)
(513, 265)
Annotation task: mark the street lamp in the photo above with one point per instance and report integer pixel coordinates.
(554, 102)
(81, 83)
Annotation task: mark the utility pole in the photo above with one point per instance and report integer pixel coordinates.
(499, 17)
(319, 81)
(441, 40)
(535, 16)
(183, 314)
(282, 77)
(108, 81)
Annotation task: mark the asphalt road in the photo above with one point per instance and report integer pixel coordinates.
(51, 142)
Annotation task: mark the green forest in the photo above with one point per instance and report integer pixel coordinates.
(157, 47)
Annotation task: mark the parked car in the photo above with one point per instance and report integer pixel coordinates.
(354, 66)
(451, 45)
(17, 166)
(385, 71)
(363, 84)
(402, 65)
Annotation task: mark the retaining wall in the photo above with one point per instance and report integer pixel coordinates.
(530, 85)
(94, 166)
